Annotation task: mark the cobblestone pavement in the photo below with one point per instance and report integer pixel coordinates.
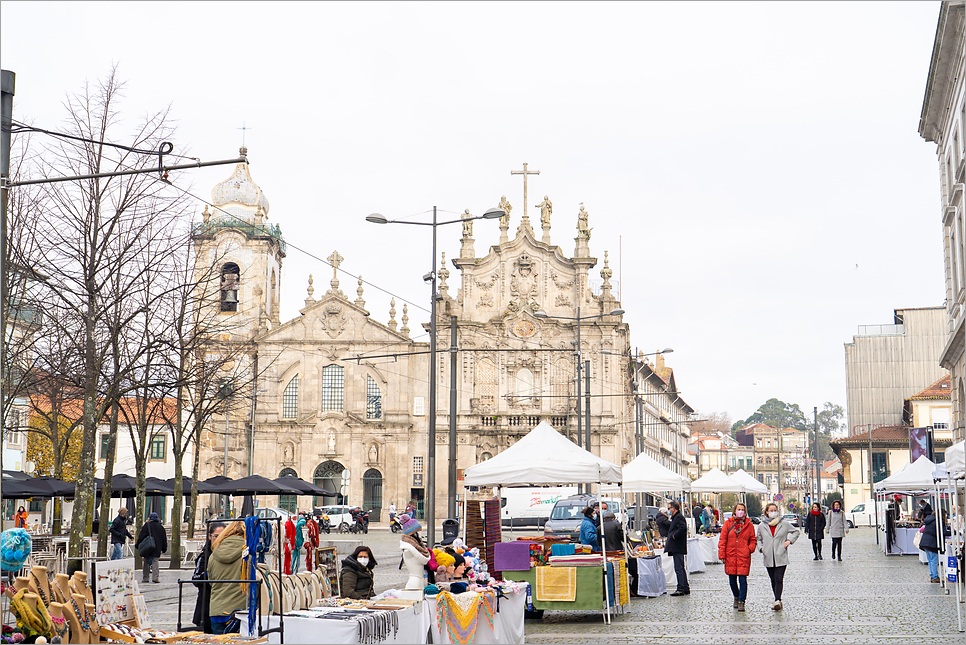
(868, 598)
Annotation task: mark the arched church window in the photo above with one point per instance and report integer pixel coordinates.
(230, 277)
(288, 502)
(524, 385)
(486, 456)
(290, 399)
(373, 399)
(333, 387)
(485, 382)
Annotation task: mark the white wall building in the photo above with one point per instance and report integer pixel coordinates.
(943, 122)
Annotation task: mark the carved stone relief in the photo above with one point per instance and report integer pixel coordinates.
(334, 320)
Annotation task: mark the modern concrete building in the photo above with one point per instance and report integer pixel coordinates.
(943, 122)
(884, 363)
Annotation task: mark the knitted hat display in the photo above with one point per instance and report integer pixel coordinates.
(14, 549)
(409, 525)
(443, 558)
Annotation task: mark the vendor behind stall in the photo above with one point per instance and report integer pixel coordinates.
(356, 579)
(613, 533)
(588, 529)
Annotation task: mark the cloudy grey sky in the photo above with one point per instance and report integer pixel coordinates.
(754, 169)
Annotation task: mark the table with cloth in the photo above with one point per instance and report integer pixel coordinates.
(300, 627)
(651, 580)
(414, 624)
(570, 588)
(709, 548)
(903, 543)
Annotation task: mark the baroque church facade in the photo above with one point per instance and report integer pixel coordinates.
(327, 404)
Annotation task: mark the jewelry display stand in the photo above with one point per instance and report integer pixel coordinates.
(40, 585)
(61, 588)
(94, 629)
(61, 626)
(79, 585)
(77, 635)
(79, 609)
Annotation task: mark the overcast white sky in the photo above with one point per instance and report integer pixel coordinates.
(754, 169)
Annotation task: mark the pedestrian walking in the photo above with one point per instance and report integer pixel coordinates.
(707, 519)
(929, 542)
(152, 542)
(20, 518)
(735, 545)
(119, 534)
(392, 511)
(815, 528)
(838, 527)
(774, 536)
(676, 546)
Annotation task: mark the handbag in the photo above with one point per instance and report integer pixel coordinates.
(917, 539)
(146, 545)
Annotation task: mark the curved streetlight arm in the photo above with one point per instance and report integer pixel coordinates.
(544, 314)
(376, 218)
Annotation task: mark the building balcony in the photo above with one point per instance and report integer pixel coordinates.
(209, 228)
(881, 330)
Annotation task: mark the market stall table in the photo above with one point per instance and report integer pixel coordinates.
(301, 628)
(507, 621)
(903, 543)
(588, 586)
(709, 548)
(651, 579)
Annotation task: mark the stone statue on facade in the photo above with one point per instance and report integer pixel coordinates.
(583, 229)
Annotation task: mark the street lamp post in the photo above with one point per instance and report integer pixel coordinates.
(430, 277)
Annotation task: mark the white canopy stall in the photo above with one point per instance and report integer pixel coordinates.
(955, 462)
(546, 457)
(912, 478)
(751, 484)
(715, 481)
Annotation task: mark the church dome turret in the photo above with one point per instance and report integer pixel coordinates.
(239, 188)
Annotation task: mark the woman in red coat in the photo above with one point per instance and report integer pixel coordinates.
(735, 545)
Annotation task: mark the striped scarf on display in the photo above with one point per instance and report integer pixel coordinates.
(299, 541)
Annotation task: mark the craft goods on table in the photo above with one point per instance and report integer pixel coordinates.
(375, 625)
(556, 584)
(200, 637)
(123, 633)
(458, 614)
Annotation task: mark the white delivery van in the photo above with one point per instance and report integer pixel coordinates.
(530, 506)
(863, 514)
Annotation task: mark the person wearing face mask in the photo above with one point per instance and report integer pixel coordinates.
(815, 528)
(774, 536)
(837, 527)
(735, 546)
(356, 580)
(588, 529)
(663, 523)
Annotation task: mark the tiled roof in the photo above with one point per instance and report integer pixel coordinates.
(896, 435)
(938, 391)
(159, 412)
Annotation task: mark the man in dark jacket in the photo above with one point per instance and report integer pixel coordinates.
(202, 616)
(696, 512)
(613, 533)
(663, 523)
(152, 556)
(119, 534)
(677, 547)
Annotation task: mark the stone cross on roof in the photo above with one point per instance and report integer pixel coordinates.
(335, 260)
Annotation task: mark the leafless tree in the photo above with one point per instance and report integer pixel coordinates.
(98, 237)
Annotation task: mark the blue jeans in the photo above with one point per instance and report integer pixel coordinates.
(933, 558)
(739, 587)
(224, 624)
(117, 551)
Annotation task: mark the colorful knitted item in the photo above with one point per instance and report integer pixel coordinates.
(458, 614)
(14, 549)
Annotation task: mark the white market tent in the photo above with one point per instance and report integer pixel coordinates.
(542, 457)
(545, 456)
(956, 460)
(913, 477)
(715, 481)
(645, 475)
(751, 484)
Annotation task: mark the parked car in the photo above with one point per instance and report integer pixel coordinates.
(566, 516)
(269, 512)
(792, 518)
(340, 517)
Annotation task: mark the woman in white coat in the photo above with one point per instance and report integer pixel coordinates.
(775, 534)
(414, 552)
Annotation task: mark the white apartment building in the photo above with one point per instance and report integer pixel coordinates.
(943, 122)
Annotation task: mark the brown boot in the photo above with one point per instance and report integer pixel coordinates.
(741, 606)
(736, 603)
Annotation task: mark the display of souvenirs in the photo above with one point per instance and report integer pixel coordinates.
(126, 633)
(114, 582)
(375, 625)
(327, 560)
(201, 637)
